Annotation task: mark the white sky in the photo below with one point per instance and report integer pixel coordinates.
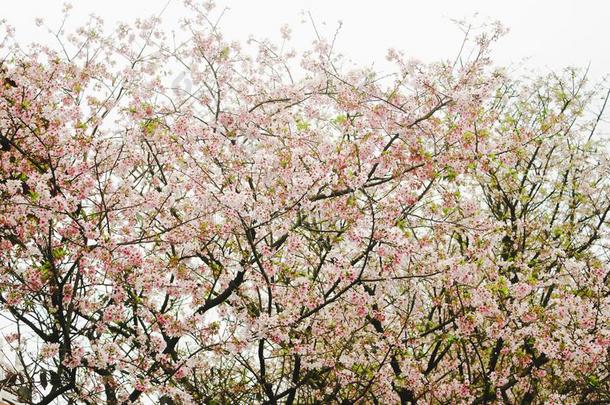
(544, 34)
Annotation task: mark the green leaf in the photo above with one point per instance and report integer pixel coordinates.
(224, 53)
(59, 252)
(593, 381)
(34, 195)
(452, 339)
(340, 119)
(302, 125)
(450, 173)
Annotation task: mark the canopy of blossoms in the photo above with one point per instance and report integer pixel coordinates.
(288, 229)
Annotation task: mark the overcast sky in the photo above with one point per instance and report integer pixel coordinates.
(544, 34)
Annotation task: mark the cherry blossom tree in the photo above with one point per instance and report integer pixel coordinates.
(290, 229)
